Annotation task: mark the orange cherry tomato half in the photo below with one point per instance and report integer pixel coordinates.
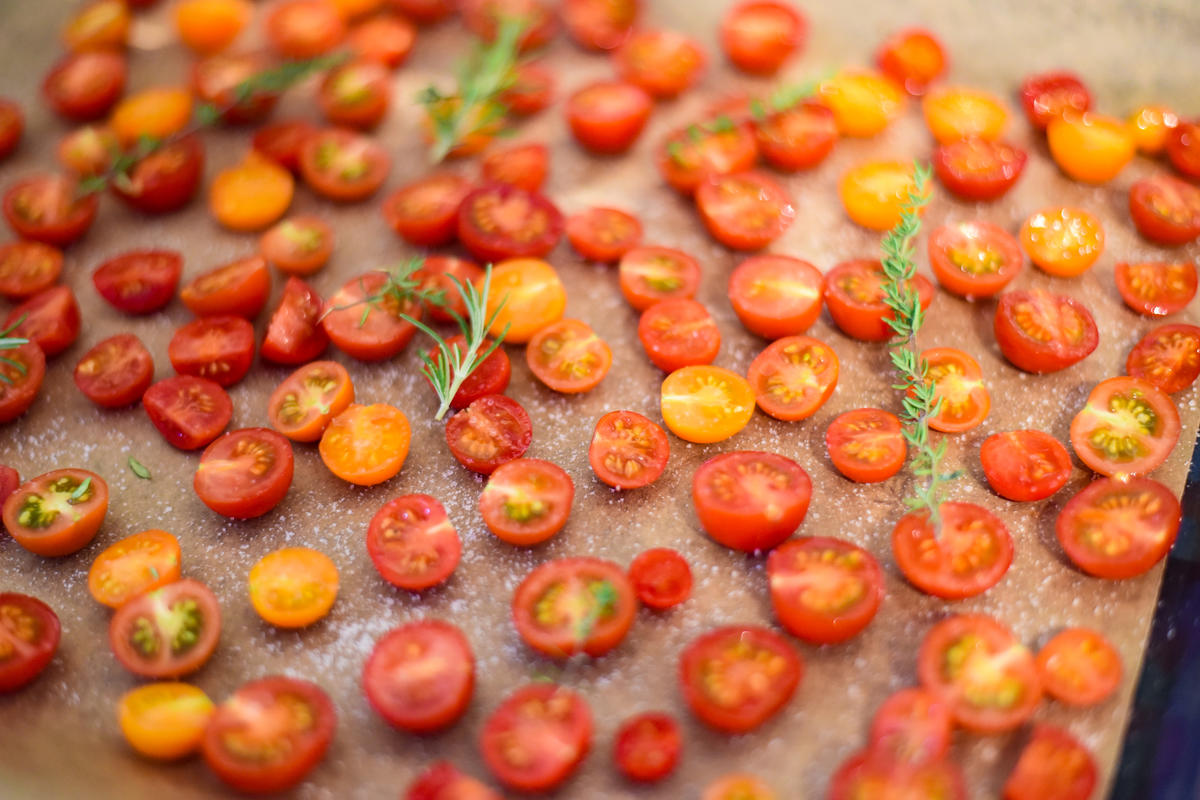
(164, 721)
(301, 29)
(209, 26)
(866, 445)
(1063, 241)
(1127, 427)
(974, 259)
(158, 112)
(863, 103)
(738, 786)
(57, 513)
(1091, 148)
(793, 377)
(969, 553)
(1079, 667)
(958, 385)
(1151, 127)
(628, 450)
(705, 404)
(366, 445)
(954, 113)
(293, 587)
(136, 564)
(824, 590)
(875, 193)
(99, 25)
(1042, 332)
(527, 501)
(574, 605)
(252, 195)
(913, 58)
(568, 356)
(299, 245)
(1167, 357)
(1119, 528)
(599, 234)
(526, 296)
(1156, 288)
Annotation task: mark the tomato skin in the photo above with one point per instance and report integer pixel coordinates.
(797, 138)
(525, 296)
(98, 25)
(45, 208)
(866, 445)
(776, 296)
(366, 445)
(294, 334)
(628, 450)
(489, 432)
(140, 281)
(959, 387)
(245, 473)
(424, 12)
(953, 112)
(969, 555)
(974, 259)
(1053, 765)
(412, 543)
(749, 44)
(678, 333)
(661, 577)
(600, 24)
(874, 193)
(442, 781)
(1119, 527)
(1165, 209)
(425, 212)
(420, 676)
(278, 765)
(705, 404)
(10, 481)
(1091, 148)
(1127, 427)
(744, 210)
(1050, 95)
(283, 141)
(524, 166)
(912, 727)
(1183, 148)
(607, 117)
(382, 335)
(12, 125)
(482, 17)
(252, 195)
(188, 411)
(531, 92)
(343, 165)
(440, 272)
(31, 631)
(49, 319)
(793, 377)
(84, 86)
(913, 58)
(300, 29)
(1025, 465)
(219, 348)
(547, 604)
(863, 102)
(853, 293)
(22, 386)
(647, 747)
(166, 180)
(603, 234)
(491, 237)
(299, 245)
(1041, 332)
(239, 288)
(515, 737)
(146, 634)
(1167, 358)
(527, 501)
(385, 38)
(1079, 667)
(134, 565)
(977, 169)
(866, 773)
(737, 652)
(750, 501)
(649, 275)
(1156, 288)
(116, 372)
(824, 590)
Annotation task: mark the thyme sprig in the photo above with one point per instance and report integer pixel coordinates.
(477, 105)
(10, 342)
(920, 403)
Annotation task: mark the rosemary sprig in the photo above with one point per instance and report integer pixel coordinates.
(80, 491)
(920, 403)
(782, 98)
(476, 106)
(9, 342)
(400, 288)
(452, 366)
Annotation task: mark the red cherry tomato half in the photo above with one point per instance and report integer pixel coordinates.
(853, 294)
(600, 24)
(1042, 332)
(245, 473)
(759, 35)
(1079, 667)
(140, 281)
(24, 369)
(537, 737)
(797, 138)
(976, 665)
(966, 556)
(218, 348)
(29, 636)
(1050, 95)
(744, 210)
(216, 80)
(664, 63)
(574, 605)
(977, 169)
(368, 331)
(793, 377)
(12, 125)
(647, 747)
(661, 577)
(736, 678)
(385, 38)
(491, 431)
(601, 234)
(420, 676)
(1165, 209)
(958, 385)
(1183, 148)
(1024, 465)
(649, 275)
(824, 590)
(1127, 427)
(10, 481)
(491, 376)
(483, 18)
(412, 543)
(269, 734)
(524, 166)
(496, 222)
(425, 212)
(1156, 288)
(165, 180)
(531, 91)
(294, 334)
(913, 58)
(441, 272)
(188, 411)
(425, 12)
(283, 141)
(776, 296)
(608, 116)
(166, 632)
(1053, 764)
(912, 727)
(628, 451)
(356, 94)
(49, 319)
(690, 155)
(749, 500)
(342, 165)
(866, 445)
(526, 501)
(57, 513)
(679, 333)
(442, 781)
(868, 774)
(305, 402)
(1167, 358)
(568, 357)
(84, 86)
(1119, 528)
(28, 268)
(48, 209)
(974, 259)
(116, 372)
(304, 28)
(239, 288)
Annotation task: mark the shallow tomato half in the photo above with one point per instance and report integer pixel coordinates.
(1151, 126)
(958, 385)
(420, 676)
(913, 58)
(705, 404)
(1079, 667)
(245, 473)
(84, 86)
(367, 323)
(912, 727)
(1156, 288)
(1127, 427)
(295, 334)
(603, 234)
(866, 445)
(628, 450)
(664, 63)
(647, 747)
(166, 632)
(219, 348)
(758, 36)
(1052, 95)
(136, 564)
(412, 543)
(219, 80)
(1165, 209)
(986, 675)
(164, 721)
(500, 221)
(526, 501)
(525, 296)
(793, 377)
(568, 356)
(967, 554)
(1024, 465)
(484, 17)
(600, 24)
(1042, 332)
(574, 605)
(188, 411)
(537, 737)
(366, 445)
(57, 513)
(874, 194)
(49, 209)
(303, 404)
(824, 590)
(425, 212)
(688, 156)
(853, 293)
(974, 259)
(750, 500)
(29, 636)
(87, 150)
(1053, 764)
(116, 372)
(744, 210)
(776, 296)
(491, 431)
(293, 587)
(239, 288)
(1167, 358)
(863, 102)
(28, 268)
(736, 678)
(661, 577)
(678, 333)
(140, 281)
(1063, 242)
(648, 275)
(953, 113)
(868, 774)
(165, 180)
(607, 117)
(252, 195)
(23, 370)
(1119, 528)
(49, 319)
(977, 169)
(342, 165)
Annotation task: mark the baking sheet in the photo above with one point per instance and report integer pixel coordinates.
(58, 737)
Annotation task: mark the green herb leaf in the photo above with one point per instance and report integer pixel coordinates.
(139, 469)
(80, 490)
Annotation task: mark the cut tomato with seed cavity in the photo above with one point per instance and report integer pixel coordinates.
(664, 63)
(853, 293)
(28, 268)
(135, 564)
(607, 117)
(793, 377)
(1127, 427)
(294, 334)
(1024, 465)
(23, 369)
(29, 636)
(705, 404)
(188, 411)
(491, 431)
(1119, 528)
(420, 676)
(537, 737)
(661, 577)
(744, 210)
(239, 288)
(649, 275)
(1167, 357)
(1048, 96)
(824, 590)
(166, 180)
(49, 319)
(601, 234)
(1165, 209)
(679, 333)
(167, 632)
(245, 473)
(688, 156)
(443, 781)
(342, 165)
(866, 445)
(749, 500)
(574, 605)
(57, 513)
(1040, 332)
(1156, 288)
(647, 747)
(116, 372)
(758, 36)
(1079, 667)
(958, 386)
(425, 212)
(527, 501)
(1053, 764)
(49, 209)
(568, 356)
(976, 169)
(366, 445)
(912, 727)
(965, 556)
(628, 450)
(412, 543)
(140, 281)
(220, 348)
(299, 245)
(776, 296)
(303, 404)
(974, 259)
(866, 774)
(499, 221)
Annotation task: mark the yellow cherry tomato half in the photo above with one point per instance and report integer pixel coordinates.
(100, 25)
(1091, 148)
(954, 113)
(293, 587)
(357, 9)
(706, 404)
(164, 721)
(1062, 241)
(529, 297)
(874, 193)
(136, 564)
(209, 26)
(366, 445)
(1151, 125)
(252, 195)
(863, 103)
(158, 112)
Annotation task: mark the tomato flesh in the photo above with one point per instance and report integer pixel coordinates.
(420, 676)
(412, 543)
(647, 747)
(776, 296)
(866, 445)
(245, 473)
(628, 450)
(188, 411)
(57, 513)
(968, 555)
(1041, 332)
(977, 169)
(166, 632)
(824, 590)
(1119, 528)
(526, 501)
(974, 259)
(29, 636)
(28, 268)
(116, 372)
(219, 348)
(1156, 288)
(661, 577)
(793, 377)
(1126, 427)
(678, 333)
(574, 605)
(536, 738)
(1053, 764)
(141, 281)
(1167, 357)
(1079, 667)
(493, 430)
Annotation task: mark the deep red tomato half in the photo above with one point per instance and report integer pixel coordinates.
(1050, 95)
(759, 35)
(425, 212)
(443, 781)
(1025, 465)
(744, 210)
(866, 445)
(750, 500)
(84, 86)
(1119, 528)
(793, 377)
(1156, 288)
(219, 348)
(140, 281)
(966, 557)
(853, 293)
(1165, 209)
(824, 590)
(420, 676)
(978, 169)
(867, 774)
(48, 209)
(574, 605)
(1054, 764)
(239, 288)
(50, 319)
(678, 333)
(1127, 427)
(12, 125)
(1079, 667)
(661, 577)
(912, 727)
(600, 24)
(974, 259)
(283, 141)
(24, 369)
(776, 296)
(425, 12)
(116, 372)
(489, 432)
(628, 450)
(797, 138)
(1039, 332)
(412, 543)
(1167, 357)
(167, 632)
(165, 180)
(647, 747)
(294, 334)
(27, 268)
(603, 234)
(490, 376)
(498, 221)
(188, 411)
(245, 473)
(10, 481)
(1183, 148)
(537, 737)
(29, 636)
(368, 329)
(527, 501)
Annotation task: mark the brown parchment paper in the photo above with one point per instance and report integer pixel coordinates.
(59, 738)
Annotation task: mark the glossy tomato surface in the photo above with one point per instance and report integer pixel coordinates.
(1039, 332)
(1167, 357)
(536, 738)
(116, 372)
(751, 500)
(967, 555)
(1119, 528)
(294, 334)
(1127, 427)
(1025, 465)
(420, 676)
(1053, 764)
(628, 450)
(29, 636)
(866, 445)
(489, 432)
(647, 747)
(188, 411)
(219, 348)
(824, 590)
(245, 473)
(412, 543)
(57, 513)
(140, 281)
(166, 632)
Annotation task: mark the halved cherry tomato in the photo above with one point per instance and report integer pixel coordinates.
(219, 348)
(574, 605)
(159, 112)
(1091, 148)
(209, 26)
(1151, 127)
(364, 324)
(84, 86)
(491, 431)
(491, 376)
(759, 35)
(164, 721)
(647, 747)
(366, 445)
(221, 80)
(1024, 465)
(664, 63)
(913, 58)
(10, 481)
(527, 501)
(188, 411)
(649, 275)
(87, 150)
(23, 369)
(99, 25)
(245, 473)
(499, 221)
(269, 734)
(425, 12)
(116, 372)
(866, 445)
(524, 166)
(303, 404)
(568, 356)
(974, 259)
(1167, 357)
(797, 138)
(875, 193)
(442, 781)
(283, 141)
(736, 678)
(447, 274)
(12, 125)
(600, 24)
(352, 10)
(1156, 288)
(965, 556)
(49, 209)
(661, 577)
(1127, 427)
(238, 288)
(50, 319)
(679, 333)
(425, 212)
(356, 94)
(420, 676)
(412, 543)
(824, 590)
(343, 165)
(958, 385)
(793, 377)
(744, 210)
(166, 632)
(1063, 241)
(912, 727)
(536, 738)
(749, 500)
(853, 294)
(1165, 209)
(863, 102)
(738, 786)
(628, 451)
(136, 564)
(705, 404)
(1051, 95)
(526, 295)
(304, 28)
(1053, 765)
(483, 18)
(29, 636)
(976, 169)
(299, 245)
(1042, 332)
(1183, 147)
(776, 296)
(868, 774)
(140, 281)
(1079, 667)
(953, 113)
(165, 180)
(251, 195)
(294, 334)
(986, 675)
(385, 38)
(293, 587)
(28, 268)
(1119, 527)
(690, 155)
(531, 91)
(599, 234)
